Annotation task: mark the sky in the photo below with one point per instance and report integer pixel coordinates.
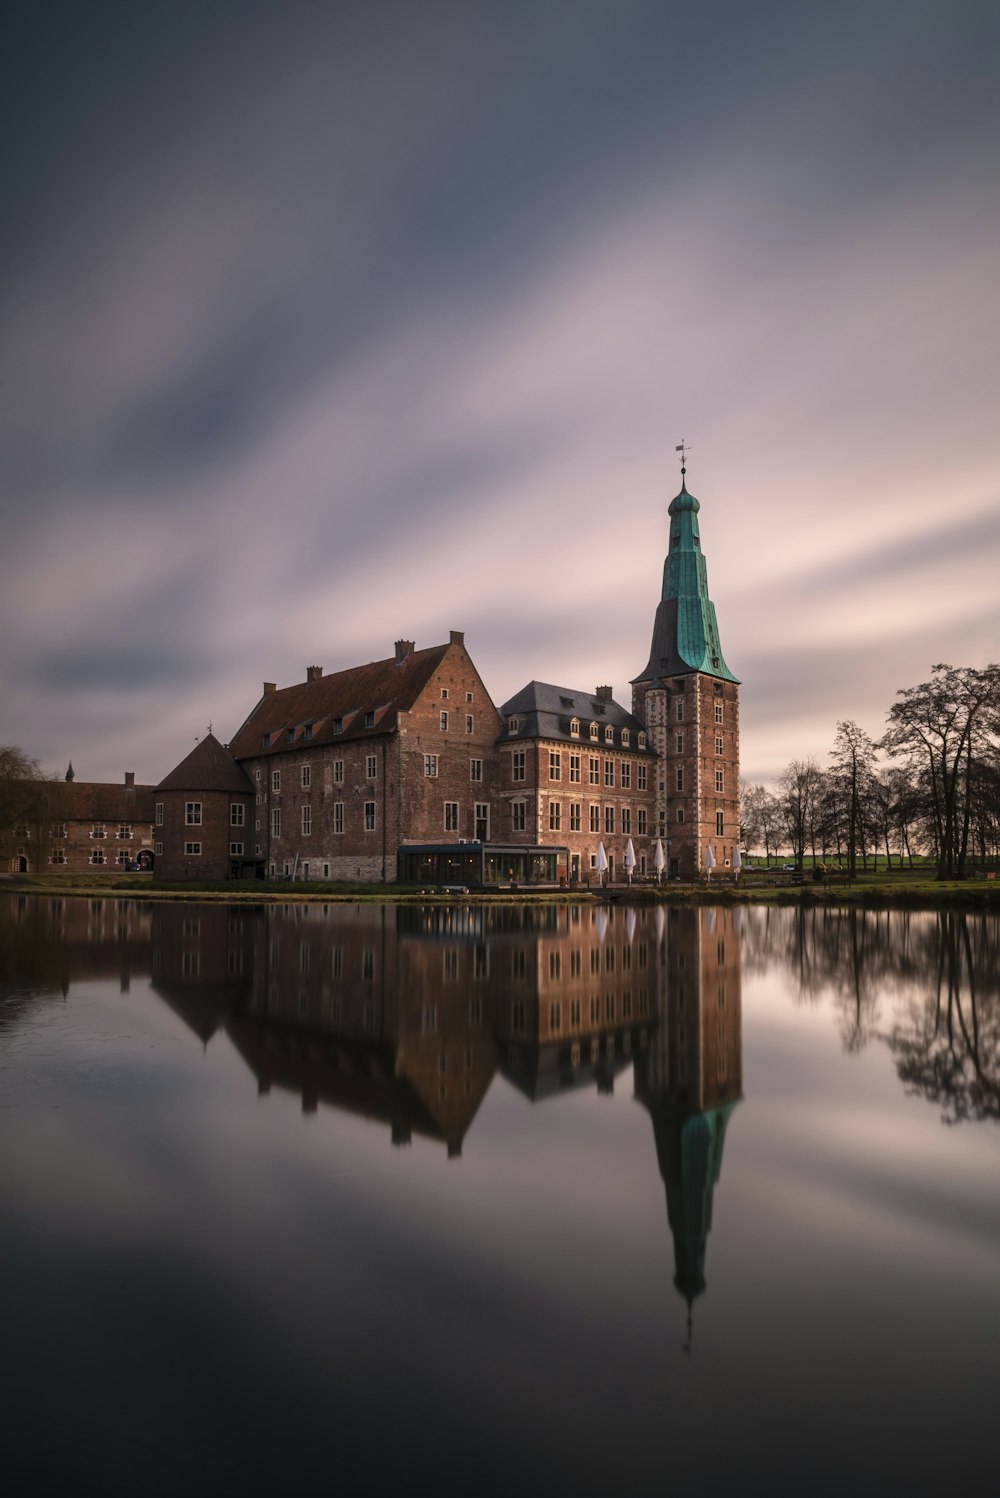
(329, 324)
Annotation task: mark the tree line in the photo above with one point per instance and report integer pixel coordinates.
(929, 786)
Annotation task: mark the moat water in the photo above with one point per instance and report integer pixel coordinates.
(498, 1199)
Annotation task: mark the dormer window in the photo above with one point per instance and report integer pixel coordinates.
(609, 734)
(574, 728)
(266, 741)
(338, 725)
(642, 741)
(513, 725)
(307, 731)
(290, 735)
(594, 732)
(369, 720)
(626, 738)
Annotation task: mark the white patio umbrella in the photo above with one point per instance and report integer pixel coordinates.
(658, 860)
(737, 862)
(629, 859)
(709, 859)
(602, 861)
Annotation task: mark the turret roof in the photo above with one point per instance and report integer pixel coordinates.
(209, 767)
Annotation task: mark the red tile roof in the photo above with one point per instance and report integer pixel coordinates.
(209, 767)
(311, 709)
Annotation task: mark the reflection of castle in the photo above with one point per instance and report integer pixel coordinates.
(404, 1015)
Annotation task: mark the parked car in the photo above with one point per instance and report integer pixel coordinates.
(790, 868)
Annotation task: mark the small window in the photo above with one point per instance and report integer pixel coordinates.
(518, 816)
(469, 724)
(475, 769)
(369, 719)
(626, 738)
(369, 816)
(720, 780)
(444, 721)
(555, 816)
(192, 850)
(594, 731)
(338, 725)
(276, 780)
(306, 777)
(158, 814)
(192, 813)
(290, 736)
(306, 820)
(158, 849)
(642, 741)
(237, 814)
(680, 779)
(719, 745)
(371, 766)
(451, 816)
(338, 816)
(517, 765)
(720, 823)
(236, 850)
(276, 822)
(574, 728)
(338, 771)
(679, 710)
(468, 697)
(444, 694)
(430, 765)
(718, 711)
(609, 734)
(555, 764)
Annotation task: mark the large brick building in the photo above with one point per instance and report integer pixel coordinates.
(405, 768)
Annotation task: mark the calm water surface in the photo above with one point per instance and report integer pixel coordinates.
(497, 1200)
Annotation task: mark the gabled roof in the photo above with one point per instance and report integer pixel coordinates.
(312, 710)
(545, 711)
(98, 801)
(209, 767)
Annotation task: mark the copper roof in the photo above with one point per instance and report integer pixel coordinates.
(337, 706)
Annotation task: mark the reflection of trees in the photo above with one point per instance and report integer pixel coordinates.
(947, 1045)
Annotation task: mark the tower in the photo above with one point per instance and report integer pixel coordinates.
(689, 701)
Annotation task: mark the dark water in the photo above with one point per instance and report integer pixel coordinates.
(497, 1200)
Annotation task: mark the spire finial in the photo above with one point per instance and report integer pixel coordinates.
(683, 449)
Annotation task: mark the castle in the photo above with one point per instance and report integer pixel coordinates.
(405, 769)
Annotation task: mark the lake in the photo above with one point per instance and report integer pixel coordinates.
(497, 1198)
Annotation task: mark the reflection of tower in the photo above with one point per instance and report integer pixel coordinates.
(691, 1078)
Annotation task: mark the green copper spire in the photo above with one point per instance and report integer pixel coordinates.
(685, 632)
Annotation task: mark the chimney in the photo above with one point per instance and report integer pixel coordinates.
(130, 777)
(313, 673)
(604, 694)
(403, 649)
(270, 686)
(458, 637)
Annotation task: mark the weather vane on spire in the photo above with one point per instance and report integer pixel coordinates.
(683, 449)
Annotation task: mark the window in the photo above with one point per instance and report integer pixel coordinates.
(517, 815)
(626, 738)
(237, 814)
(369, 720)
(444, 722)
(158, 849)
(338, 771)
(307, 822)
(59, 856)
(555, 764)
(626, 821)
(609, 819)
(97, 856)
(276, 780)
(338, 816)
(720, 823)
(555, 1014)
(124, 833)
(626, 776)
(306, 777)
(475, 769)
(276, 822)
(290, 735)
(431, 765)
(680, 813)
(720, 780)
(575, 815)
(451, 816)
(58, 829)
(718, 743)
(158, 814)
(192, 850)
(444, 694)
(680, 743)
(371, 766)
(555, 816)
(609, 734)
(338, 725)
(574, 728)
(594, 731)
(266, 741)
(236, 850)
(679, 710)
(469, 697)
(482, 822)
(680, 778)
(192, 813)
(609, 772)
(513, 724)
(517, 765)
(595, 771)
(369, 816)
(307, 731)
(469, 724)
(640, 777)
(642, 741)
(718, 712)
(595, 819)
(574, 769)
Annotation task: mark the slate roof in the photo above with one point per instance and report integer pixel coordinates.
(95, 801)
(209, 767)
(310, 710)
(545, 712)
(685, 630)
